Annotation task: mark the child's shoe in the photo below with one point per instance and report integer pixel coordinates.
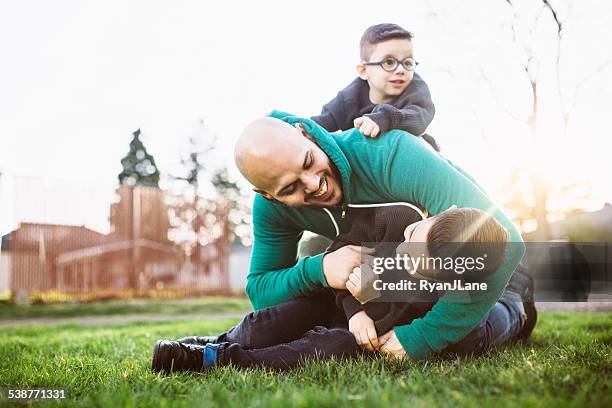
(171, 356)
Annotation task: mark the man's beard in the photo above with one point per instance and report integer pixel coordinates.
(335, 173)
(338, 177)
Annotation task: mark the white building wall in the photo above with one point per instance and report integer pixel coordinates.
(5, 271)
(240, 258)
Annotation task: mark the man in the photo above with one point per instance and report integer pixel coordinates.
(307, 179)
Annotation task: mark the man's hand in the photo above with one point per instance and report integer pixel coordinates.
(363, 329)
(390, 345)
(338, 265)
(366, 126)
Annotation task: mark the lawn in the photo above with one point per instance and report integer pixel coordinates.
(567, 363)
(201, 304)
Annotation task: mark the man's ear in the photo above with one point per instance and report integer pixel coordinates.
(265, 195)
(361, 71)
(307, 135)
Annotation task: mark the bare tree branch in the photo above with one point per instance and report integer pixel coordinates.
(527, 66)
(583, 81)
(558, 60)
(499, 102)
(594, 72)
(533, 27)
(513, 25)
(554, 14)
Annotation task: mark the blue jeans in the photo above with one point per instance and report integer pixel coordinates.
(501, 325)
(281, 336)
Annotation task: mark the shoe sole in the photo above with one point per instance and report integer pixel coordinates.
(156, 367)
(532, 319)
(155, 359)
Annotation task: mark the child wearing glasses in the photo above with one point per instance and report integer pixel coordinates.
(388, 94)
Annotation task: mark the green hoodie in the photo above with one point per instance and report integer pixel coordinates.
(394, 167)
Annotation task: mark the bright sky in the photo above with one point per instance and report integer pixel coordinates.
(78, 77)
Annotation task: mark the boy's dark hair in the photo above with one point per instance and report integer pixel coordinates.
(467, 232)
(379, 33)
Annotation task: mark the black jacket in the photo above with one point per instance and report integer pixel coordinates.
(384, 226)
(412, 111)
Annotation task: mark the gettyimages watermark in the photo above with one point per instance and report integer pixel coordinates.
(417, 272)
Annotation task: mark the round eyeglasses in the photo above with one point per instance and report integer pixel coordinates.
(390, 64)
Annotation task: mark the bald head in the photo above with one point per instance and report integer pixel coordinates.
(257, 144)
(278, 158)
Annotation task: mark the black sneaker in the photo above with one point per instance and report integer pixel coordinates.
(531, 315)
(171, 356)
(522, 283)
(201, 340)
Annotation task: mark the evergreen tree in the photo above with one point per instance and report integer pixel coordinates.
(139, 166)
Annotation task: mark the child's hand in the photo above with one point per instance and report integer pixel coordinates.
(366, 126)
(362, 327)
(353, 284)
(361, 284)
(390, 345)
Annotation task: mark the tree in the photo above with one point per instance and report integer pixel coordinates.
(138, 165)
(539, 32)
(194, 164)
(239, 211)
(200, 188)
(187, 204)
(527, 20)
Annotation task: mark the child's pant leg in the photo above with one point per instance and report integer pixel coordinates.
(501, 325)
(319, 343)
(284, 322)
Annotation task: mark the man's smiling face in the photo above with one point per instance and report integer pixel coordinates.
(309, 178)
(284, 164)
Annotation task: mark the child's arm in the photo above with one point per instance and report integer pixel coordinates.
(360, 324)
(346, 302)
(328, 117)
(398, 312)
(412, 112)
(338, 114)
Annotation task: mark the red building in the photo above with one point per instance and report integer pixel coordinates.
(136, 255)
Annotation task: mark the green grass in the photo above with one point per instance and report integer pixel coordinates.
(203, 304)
(567, 363)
